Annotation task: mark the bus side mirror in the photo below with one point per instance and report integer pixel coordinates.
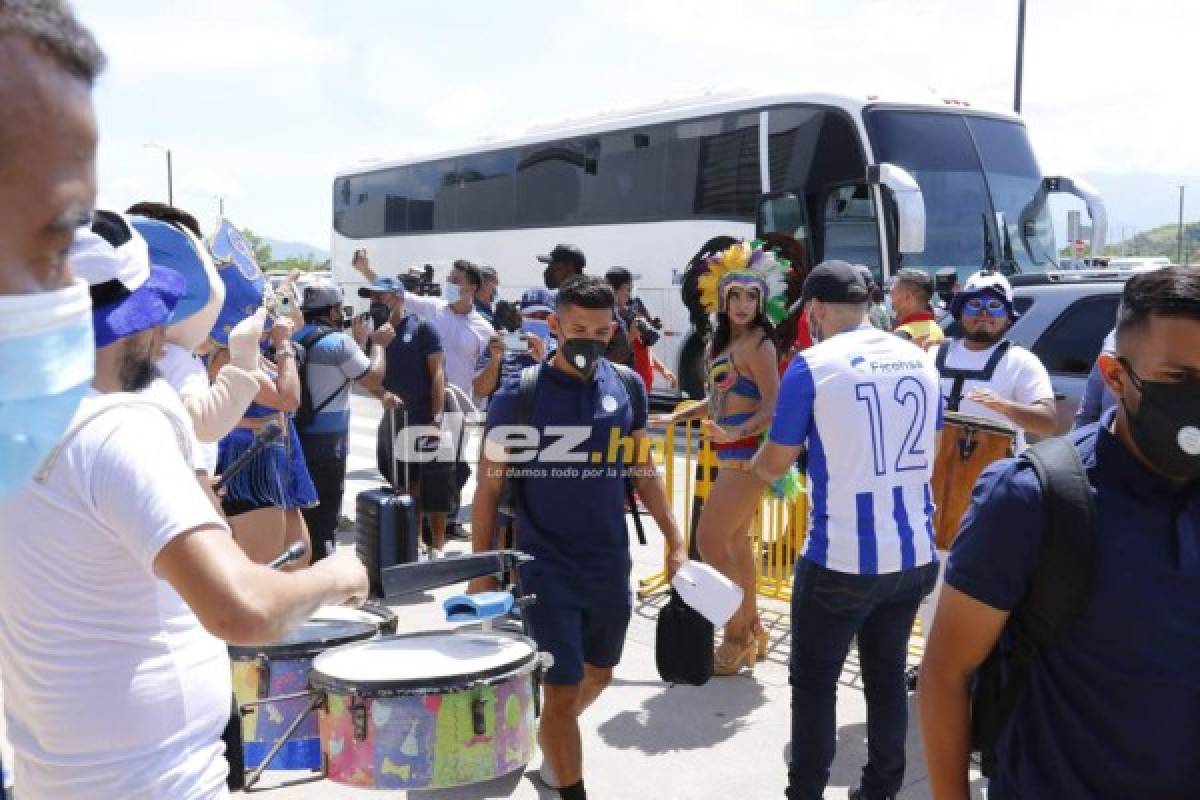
(1091, 198)
(910, 204)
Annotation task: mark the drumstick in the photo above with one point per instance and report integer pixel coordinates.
(414, 578)
(270, 432)
(294, 552)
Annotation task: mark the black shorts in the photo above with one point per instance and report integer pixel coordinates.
(433, 481)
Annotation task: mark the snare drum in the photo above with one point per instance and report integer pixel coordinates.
(371, 613)
(278, 673)
(428, 710)
(967, 446)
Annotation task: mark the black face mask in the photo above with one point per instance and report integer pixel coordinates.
(1166, 427)
(582, 354)
(549, 278)
(380, 314)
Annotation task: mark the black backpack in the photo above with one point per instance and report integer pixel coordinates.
(510, 496)
(1056, 596)
(683, 644)
(306, 413)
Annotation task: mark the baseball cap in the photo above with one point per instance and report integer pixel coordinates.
(385, 283)
(565, 252)
(835, 282)
(128, 294)
(537, 299)
(321, 294)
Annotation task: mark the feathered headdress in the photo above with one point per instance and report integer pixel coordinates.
(751, 265)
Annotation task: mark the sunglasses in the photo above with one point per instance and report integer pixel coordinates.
(981, 305)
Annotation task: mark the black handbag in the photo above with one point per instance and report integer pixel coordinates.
(683, 644)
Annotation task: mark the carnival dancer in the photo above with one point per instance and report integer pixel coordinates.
(264, 500)
(744, 286)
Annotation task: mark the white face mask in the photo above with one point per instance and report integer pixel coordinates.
(451, 293)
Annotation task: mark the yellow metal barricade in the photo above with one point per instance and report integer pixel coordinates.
(776, 532)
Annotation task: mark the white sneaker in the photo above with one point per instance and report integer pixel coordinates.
(435, 554)
(547, 776)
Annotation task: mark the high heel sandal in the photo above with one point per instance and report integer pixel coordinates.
(731, 664)
(761, 639)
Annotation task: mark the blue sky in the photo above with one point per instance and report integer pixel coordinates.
(263, 100)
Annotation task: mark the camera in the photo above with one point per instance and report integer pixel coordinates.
(279, 304)
(419, 281)
(648, 327)
(646, 330)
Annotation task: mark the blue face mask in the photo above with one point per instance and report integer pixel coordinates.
(451, 293)
(47, 361)
(541, 329)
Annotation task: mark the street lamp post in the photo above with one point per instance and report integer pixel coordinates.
(1020, 56)
(1179, 257)
(170, 178)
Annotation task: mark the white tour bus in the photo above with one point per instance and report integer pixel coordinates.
(883, 182)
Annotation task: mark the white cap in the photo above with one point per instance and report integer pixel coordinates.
(983, 281)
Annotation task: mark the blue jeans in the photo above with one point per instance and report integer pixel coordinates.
(829, 609)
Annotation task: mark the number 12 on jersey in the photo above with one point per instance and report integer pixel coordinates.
(906, 408)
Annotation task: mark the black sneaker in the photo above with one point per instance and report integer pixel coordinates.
(857, 794)
(457, 533)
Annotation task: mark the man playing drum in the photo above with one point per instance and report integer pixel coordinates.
(983, 374)
(985, 378)
(120, 578)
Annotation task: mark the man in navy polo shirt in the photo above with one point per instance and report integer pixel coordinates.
(571, 515)
(415, 379)
(1113, 709)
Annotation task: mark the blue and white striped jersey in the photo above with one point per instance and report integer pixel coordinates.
(868, 406)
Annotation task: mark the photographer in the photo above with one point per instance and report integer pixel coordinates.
(512, 350)
(334, 359)
(642, 330)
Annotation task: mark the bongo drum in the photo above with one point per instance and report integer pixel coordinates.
(967, 446)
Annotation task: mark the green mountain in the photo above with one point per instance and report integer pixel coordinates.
(1161, 241)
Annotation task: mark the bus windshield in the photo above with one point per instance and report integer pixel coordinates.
(969, 169)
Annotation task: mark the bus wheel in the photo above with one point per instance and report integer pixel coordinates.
(691, 368)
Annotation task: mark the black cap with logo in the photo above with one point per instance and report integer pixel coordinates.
(567, 253)
(835, 282)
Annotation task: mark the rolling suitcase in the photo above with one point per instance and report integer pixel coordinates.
(386, 531)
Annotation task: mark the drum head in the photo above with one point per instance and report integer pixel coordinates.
(421, 661)
(314, 636)
(958, 419)
(372, 613)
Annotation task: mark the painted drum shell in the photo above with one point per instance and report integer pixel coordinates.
(280, 669)
(433, 733)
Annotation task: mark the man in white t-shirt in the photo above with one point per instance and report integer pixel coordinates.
(120, 580)
(463, 331)
(983, 374)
